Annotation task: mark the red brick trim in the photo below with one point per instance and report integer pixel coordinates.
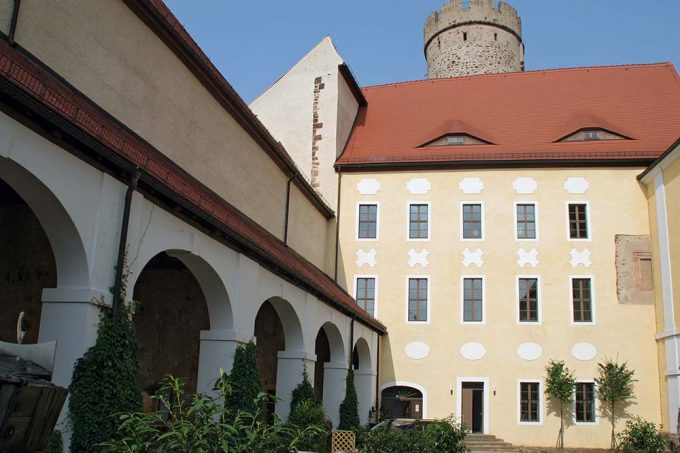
(28, 77)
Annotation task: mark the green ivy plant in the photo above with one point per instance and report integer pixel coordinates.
(349, 408)
(105, 380)
(245, 380)
(559, 386)
(305, 410)
(614, 388)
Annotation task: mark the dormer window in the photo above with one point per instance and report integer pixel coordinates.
(456, 140)
(592, 134)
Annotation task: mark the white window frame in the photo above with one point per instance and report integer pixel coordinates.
(375, 296)
(429, 221)
(588, 220)
(514, 208)
(459, 397)
(460, 224)
(539, 295)
(429, 300)
(596, 404)
(541, 402)
(377, 221)
(462, 300)
(593, 304)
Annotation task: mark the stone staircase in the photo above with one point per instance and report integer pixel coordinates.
(478, 443)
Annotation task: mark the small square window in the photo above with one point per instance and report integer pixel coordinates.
(417, 299)
(584, 402)
(365, 294)
(368, 221)
(472, 221)
(418, 227)
(530, 402)
(528, 300)
(578, 221)
(526, 221)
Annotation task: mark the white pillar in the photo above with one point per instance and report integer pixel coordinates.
(69, 316)
(289, 375)
(334, 376)
(217, 351)
(365, 382)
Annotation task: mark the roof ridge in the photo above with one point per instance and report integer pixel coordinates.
(520, 73)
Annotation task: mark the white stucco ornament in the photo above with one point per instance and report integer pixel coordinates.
(470, 257)
(366, 257)
(527, 258)
(472, 351)
(576, 184)
(418, 258)
(368, 186)
(582, 257)
(584, 351)
(471, 185)
(418, 186)
(525, 185)
(529, 351)
(417, 350)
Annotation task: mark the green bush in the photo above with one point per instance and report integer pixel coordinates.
(199, 423)
(105, 381)
(305, 411)
(56, 443)
(642, 436)
(440, 436)
(245, 380)
(349, 408)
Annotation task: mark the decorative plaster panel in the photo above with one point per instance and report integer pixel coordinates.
(576, 184)
(471, 185)
(584, 351)
(367, 257)
(418, 257)
(472, 351)
(418, 186)
(525, 185)
(582, 257)
(368, 186)
(529, 351)
(527, 258)
(470, 257)
(417, 350)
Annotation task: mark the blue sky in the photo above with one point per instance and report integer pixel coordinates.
(253, 42)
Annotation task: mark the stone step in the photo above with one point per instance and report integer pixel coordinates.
(487, 443)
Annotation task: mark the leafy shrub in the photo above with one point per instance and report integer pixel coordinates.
(305, 411)
(349, 408)
(200, 423)
(642, 436)
(440, 436)
(56, 443)
(245, 380)
(105, 381)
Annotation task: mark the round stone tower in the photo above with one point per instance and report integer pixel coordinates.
(477, 39)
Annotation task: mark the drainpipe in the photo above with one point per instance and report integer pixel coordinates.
(285, 227)
(351, 339)
(13, 24)
(377, 375)
(120, 262)
(337, 229)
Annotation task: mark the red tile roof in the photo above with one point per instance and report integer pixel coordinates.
(522, 114)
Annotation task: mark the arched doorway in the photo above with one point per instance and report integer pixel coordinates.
(322, 349)
(27, 265)
(402, 402)
(169, 318)
(270, 340)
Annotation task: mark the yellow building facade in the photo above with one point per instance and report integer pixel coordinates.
(447, 350)
(662, 183)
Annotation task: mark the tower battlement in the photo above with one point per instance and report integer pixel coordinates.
(479, 38)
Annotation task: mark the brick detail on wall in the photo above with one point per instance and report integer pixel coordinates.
(316, 131)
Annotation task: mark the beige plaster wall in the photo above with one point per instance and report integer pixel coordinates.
(623, 331)
(308, 234)
(105, 51)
